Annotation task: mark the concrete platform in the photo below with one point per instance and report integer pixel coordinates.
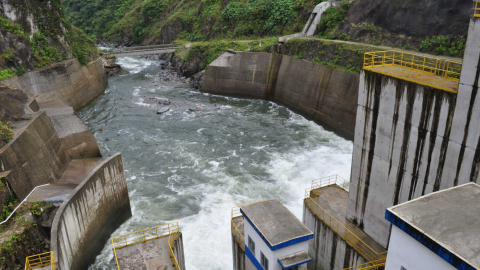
(426, 78)
(334, 201)
(76, 171)
(150, 255)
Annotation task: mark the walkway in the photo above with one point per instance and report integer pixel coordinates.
(149, 255)
(143, 50)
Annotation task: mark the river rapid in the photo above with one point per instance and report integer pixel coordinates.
(205, 155)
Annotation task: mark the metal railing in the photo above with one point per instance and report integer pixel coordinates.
(235, 213)
(354, 241)
(477, 9)
(373, 265)
(332, 180)
(171, 242)
(41, 260)
(433, 72)
(172, 230)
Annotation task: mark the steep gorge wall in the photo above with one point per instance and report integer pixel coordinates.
(326, 95)
(87, 218)
(67, 81)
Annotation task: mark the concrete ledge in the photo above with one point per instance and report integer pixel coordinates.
(87, 218)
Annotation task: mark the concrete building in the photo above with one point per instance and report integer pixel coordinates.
(438, 231)
(274, 238)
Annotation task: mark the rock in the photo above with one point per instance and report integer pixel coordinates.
(163, 110)
(197, 80)
(192, 110)
(198, 108)
(166, 102)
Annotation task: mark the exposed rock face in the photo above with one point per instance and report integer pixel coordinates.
(12, 102)
(112, 68)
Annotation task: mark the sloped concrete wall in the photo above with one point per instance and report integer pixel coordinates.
(326, 95)
(87, 218)
(238, 255)
(178, 251)
(35, 156)
(67, 81)
(327, 250)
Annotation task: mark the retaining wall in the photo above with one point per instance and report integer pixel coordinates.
(67, 81)
(178, 251)
(327, 250)
(35, 156)
(238, 255)
(87, 218)
(326, 95)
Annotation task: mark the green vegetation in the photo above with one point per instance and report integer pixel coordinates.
(331, 19)
(192, 20)
(5, 74)
(11, 27)
(8, 208)
(368, 27)
(42, 51)
(6, 132)
(83, 47)
(444, 45)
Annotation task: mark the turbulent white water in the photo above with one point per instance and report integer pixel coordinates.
(194, 166)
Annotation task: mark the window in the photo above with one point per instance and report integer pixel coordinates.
(263, 261)
(251, 245)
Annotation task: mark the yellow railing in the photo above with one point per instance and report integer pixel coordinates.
(333, 180)
(477, 9)
(235, 213)
(373, 265)
(363, 249)
(172, 230)
(41, 260)
(171, 242)
(420, 69)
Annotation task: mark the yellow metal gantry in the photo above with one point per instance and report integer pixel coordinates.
(172, 230)
(477, 9)
(433, 72)
(41, 260)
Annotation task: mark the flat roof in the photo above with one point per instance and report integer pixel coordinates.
(276, 224)
(295, 259)
(450, 217)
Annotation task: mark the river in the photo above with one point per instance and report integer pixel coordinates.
(192, 166)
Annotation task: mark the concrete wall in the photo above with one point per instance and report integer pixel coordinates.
(411, 140)
(35, 155)
(178, 251)
(87, 218)
(238, 255)
(67, 81)
(412, 255)
(328, 250)
(326, 95)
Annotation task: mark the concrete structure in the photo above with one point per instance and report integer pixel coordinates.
(154, 248)
(324, 94)
(437, 231)
(87, 218)
(67, 81)
(143, 50)
(314, 20)
(274, 238)
(411, 140)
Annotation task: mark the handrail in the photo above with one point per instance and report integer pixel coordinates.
(41, 260)
(327, 181)
(433, 72)
(235, 213)
(373, 265)
(171, 242)
(20, 204)
(361, 247)
(477, 9)
(141, 236)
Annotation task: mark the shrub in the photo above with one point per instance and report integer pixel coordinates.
(152, 9)
(368, 27)
(234, 12)
(43, 53)
(332, 18)
(444, 45)
(5, 74)
(6, 132)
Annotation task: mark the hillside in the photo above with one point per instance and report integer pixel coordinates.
(36, 33)
(162, 21)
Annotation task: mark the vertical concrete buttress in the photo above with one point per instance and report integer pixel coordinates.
(411, 140)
